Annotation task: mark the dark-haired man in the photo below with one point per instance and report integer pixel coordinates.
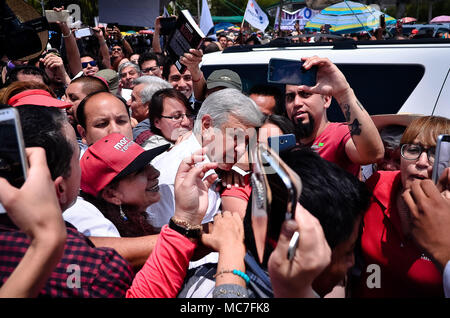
(351, 144)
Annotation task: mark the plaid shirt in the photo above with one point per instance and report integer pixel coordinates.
(83, 271)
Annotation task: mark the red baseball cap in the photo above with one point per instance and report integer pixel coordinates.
(112, 157)
(37, 97)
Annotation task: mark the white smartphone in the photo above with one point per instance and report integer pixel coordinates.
(441, 157)
(55, 16)
(81, 33)
(13, 160)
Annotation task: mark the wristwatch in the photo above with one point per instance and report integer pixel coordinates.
(185, 229)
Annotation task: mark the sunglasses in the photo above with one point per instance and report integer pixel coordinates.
(91, 63)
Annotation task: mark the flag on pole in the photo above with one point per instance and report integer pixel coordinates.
(255, 16)
(166, 13)
(206, 22)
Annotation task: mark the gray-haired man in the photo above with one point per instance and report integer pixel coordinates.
(225, 123)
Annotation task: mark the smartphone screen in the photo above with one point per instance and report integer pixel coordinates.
(81, 33)
(13, 163)
(441, 157)
(282, 71)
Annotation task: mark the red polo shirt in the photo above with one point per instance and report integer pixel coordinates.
(330, 145)
(404, 270)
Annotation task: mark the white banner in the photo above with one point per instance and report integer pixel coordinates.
(255, 16)
(288, 19)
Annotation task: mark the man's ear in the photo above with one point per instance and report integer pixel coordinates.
(111, 195)
(82, 133)
(327, 101)
(207, 130)
(156, 122)
(61, 190)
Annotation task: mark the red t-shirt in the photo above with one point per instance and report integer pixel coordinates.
(330, 145)
(404, 270)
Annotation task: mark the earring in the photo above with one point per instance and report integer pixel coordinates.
(122, 214)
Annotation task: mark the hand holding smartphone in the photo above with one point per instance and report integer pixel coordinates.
(13, 160)
(283, 71)
(275, 192)
(441, 157)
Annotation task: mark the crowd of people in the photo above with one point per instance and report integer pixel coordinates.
(140, 182)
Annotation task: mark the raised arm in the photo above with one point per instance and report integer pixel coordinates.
(164, 272)
(104, 50)
(365, 145)
(156, 46)
(192, 61)
(227, 238)
(72, 52)
(35, 209)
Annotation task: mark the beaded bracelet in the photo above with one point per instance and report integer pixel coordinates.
(243, 275)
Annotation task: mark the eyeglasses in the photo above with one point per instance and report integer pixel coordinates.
(290, 97)
(179, 117)
(177, 78)
(152, 69)
(413, 152)
(91, 63)
(116, 49)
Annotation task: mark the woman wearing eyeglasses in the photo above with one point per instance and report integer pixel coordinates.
(89, 65)
(393, 265)
(170, 116)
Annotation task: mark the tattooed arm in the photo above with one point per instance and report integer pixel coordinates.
(366, 145)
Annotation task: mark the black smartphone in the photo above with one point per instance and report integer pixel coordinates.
(168, 25)
(382, 21)
(275, 193)
(441, 157)
(13, 160)
(283, 71)
(281, 142)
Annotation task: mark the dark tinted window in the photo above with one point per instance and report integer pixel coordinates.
(381, 88)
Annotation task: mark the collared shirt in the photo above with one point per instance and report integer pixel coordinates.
(83, 271)
(401, 269)
(167, 163)
(89, 220)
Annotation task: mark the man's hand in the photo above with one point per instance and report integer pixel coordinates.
(55, 65)
(430, 219)
(191, 191)
(294, 278)
(34, 208)
(330, 80)
(227, 233)
(192, 61)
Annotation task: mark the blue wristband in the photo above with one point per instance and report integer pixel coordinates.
(236, 272)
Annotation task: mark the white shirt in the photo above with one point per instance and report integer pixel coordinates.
(167, 163)
(89, 220)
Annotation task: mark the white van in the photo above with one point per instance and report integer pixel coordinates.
(388, 77)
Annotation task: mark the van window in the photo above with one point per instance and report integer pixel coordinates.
(381, 88)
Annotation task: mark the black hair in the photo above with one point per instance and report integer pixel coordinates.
(43, 127)
(81, 116)
(166, 68)
(12, 75)
(334, 196)
(284, 123)
(211, 47)
(157, 108)
(148, 56)
(270, 90)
